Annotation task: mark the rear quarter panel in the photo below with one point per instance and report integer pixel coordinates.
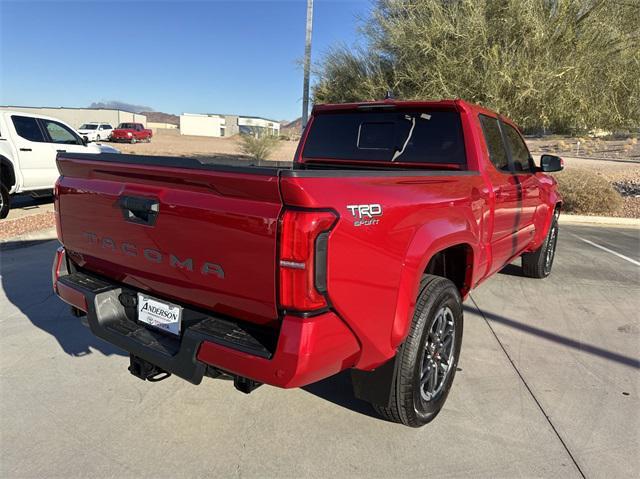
(374, 271)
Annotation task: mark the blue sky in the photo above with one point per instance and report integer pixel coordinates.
(174, 56)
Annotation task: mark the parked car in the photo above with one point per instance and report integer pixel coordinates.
(95, 131)
(358, 257)
(131, 133)
(29, 144)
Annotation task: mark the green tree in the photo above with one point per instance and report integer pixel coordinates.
(558, 65)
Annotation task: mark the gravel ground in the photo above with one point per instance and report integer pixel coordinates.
(627, 149)
(172, 143)
(630, 208)
(26, 224)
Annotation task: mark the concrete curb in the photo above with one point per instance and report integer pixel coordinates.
(28, 239)
(599, 220)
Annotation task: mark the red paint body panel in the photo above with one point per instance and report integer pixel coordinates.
(231, 218)
(308, 350)
(368, 265)
(211, 217)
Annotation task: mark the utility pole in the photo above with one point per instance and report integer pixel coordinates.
(307, 64)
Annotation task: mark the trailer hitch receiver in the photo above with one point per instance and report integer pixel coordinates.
(145, 370)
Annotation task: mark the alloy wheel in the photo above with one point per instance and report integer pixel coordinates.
(438, 355)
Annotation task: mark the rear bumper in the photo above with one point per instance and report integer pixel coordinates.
(306, 350)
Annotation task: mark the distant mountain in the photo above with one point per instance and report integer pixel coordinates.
(159, 117)
(120, 105)
(297, 123)
(291, 128)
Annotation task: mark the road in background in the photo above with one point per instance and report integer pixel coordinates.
(548, 386)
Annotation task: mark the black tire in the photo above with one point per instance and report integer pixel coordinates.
(5, 202)
(538, 263)
(409, 404)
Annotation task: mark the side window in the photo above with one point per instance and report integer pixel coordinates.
(493, 137)
(519, 152)
(27, 128)
(107, 127)
(60, 133)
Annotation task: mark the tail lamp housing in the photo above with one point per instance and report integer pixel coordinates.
(303, 259)
(59, 267)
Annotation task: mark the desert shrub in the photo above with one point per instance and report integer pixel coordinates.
(585, 192)
(257, 145)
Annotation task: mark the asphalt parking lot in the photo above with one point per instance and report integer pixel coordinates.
(549, 386)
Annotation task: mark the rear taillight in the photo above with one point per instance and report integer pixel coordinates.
(303, 259)
(56, 208)
(59, 267)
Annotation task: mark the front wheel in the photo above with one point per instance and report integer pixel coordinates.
(5, 202)
(427, 361)
(133, 141)
(538, 263)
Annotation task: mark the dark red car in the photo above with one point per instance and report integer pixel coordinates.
(357, 257)
(131, 133)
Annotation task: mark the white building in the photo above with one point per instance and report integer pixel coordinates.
(248, 123)
(217, 125)
(202, 125)
(78, 116)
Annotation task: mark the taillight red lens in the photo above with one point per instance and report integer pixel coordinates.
(56, 208)
(58, 265)
(299, 231)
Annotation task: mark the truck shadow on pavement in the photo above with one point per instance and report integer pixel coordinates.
(556, 338)
(25, 275)
(512, 270)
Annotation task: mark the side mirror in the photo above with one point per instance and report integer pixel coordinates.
(551, 163)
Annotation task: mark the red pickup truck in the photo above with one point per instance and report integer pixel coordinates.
(131, 133)
(357, 257)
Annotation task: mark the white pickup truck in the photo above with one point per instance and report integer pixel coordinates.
(29, 144)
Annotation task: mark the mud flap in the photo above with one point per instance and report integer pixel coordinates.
(375, 386)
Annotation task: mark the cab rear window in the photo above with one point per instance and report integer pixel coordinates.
(387, 136)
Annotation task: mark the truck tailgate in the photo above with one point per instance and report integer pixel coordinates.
(195, 234)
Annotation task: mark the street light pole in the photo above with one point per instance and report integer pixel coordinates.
(307, 64)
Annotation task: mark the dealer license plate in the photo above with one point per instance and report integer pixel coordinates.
(159, 314)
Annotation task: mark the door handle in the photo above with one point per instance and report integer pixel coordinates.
(26, 149)
(139, 210)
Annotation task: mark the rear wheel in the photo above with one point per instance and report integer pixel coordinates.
(133, 140)
(538, 263)
(98, 138)
(5, 202)
(427, 361)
